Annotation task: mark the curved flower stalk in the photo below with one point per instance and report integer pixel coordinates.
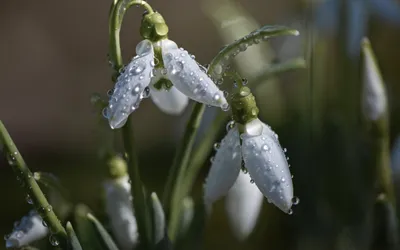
(119, 205)
(164, 71)
(28, 230)
(243, 205)
(253, 142)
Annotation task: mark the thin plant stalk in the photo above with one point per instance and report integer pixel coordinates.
(35, 195)
(172, 199)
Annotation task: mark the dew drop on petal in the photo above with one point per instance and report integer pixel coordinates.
(230, 125)
(212, 159)
(252, 181)
(295, 200)
(216, 146)
(110, 92)
(225, 107)
(265, 147)
(105, 113)
(285, 150)
(290, 212)
(216, 97)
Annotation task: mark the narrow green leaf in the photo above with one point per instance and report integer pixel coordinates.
(222, 60)
(159, 219)
(85, 230)
(73, 241)
(108, 241)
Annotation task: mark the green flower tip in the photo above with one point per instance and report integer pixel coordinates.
(244, 107)
(163, 83)
(153, 27)
(117, 167)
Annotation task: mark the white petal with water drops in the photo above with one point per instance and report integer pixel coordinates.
(30, 229)
(120, 212)
(224, 168)
(187, 77)
(243, 205)
(172, 101)
(131, 85)
(267, 165)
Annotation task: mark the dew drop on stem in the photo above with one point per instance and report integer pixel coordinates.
(53, 240)
(295, 200)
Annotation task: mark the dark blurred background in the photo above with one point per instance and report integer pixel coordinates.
(54, 57)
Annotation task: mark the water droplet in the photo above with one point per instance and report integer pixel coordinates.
(11, 159)
(217, 146)
(243, 46)
(225, 107)
(230, 125)
(177, 67)
(146, 92)
(163, 72)
(283, 179)
(295, 200)
(245, 81)
(136, 90)
(193, 57)
(252, 181)
(245, 171)
(49, 208)
(287, 158)
(285, 150)
(110, 92)
(290, 212)
(44, 223)
(19, 234)
(256, 40)
(29, 199)
(53, 240)
(212, 159)
(216, 97)
(137, 68)
(265, 147)
(105, 113)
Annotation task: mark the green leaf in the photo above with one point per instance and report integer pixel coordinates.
(73, 241)
(220, 62)
(106, 237)
(85, 230)
(158, 218)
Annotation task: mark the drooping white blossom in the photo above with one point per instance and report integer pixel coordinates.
(120, 212)
(170, 101)
(264, 159)
(139, 77)
(243, 205)
(225, 168)
(131, 86)
(29, 229)
(188, 77)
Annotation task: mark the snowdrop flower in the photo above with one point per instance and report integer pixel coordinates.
(163, 71)
(119, 205)
(358, 12)
(28, 230)
(243, 205)
(253, 142)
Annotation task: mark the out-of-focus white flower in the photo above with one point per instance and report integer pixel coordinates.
(374, 101)
(28, 230)
(120, 212)
(180, 68)
(263, 158)
(243, 205)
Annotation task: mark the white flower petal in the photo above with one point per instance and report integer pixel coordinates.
(30, 229)
(224, 169)
(243, 205)
(130, 87)
(120, 212)
(268, 167)
(171, 101)
(187, 77)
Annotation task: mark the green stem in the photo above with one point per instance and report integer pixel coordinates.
(172, 196)
(117, 12)
(25, 177)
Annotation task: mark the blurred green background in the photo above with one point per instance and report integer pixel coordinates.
(54, 56)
